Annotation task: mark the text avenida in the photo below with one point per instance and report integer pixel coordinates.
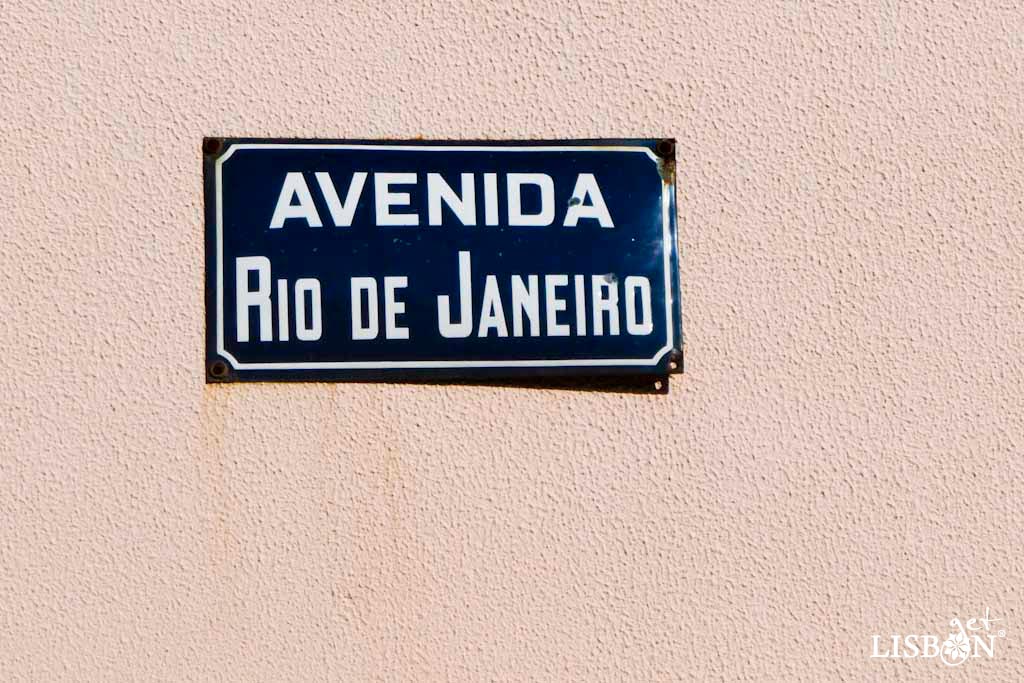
(511, 307)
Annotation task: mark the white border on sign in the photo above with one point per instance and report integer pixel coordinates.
(386, 365)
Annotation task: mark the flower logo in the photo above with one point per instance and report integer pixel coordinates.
(956, 647)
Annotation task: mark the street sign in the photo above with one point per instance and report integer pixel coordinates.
(389, 260)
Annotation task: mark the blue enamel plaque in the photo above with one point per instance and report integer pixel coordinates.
(440, 260)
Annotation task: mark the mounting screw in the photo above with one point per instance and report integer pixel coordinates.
(658, 384)
(218, 369)
(665, 148)
(675, 362)
(211, 145)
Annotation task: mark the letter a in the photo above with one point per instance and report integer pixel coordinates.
(295, 186)
(586, 186)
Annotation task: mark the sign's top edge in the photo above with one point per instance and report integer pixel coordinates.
(657, 149)
(477, 142)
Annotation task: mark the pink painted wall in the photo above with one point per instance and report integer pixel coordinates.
(842, 457)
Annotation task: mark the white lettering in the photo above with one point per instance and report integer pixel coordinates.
(464, 328)
(246, 298)
(634, 284)
(308, 330)
(364, 327)
(491, 198)
(579, 284)
(930, 649)
(492, 314)
(979, 644)
(386, 199)
(525, 299)
(604, 304)
(586, 186)
(393, 308)
(295, 186)
(547, 199)
(341, 214)
(282, 310)
(553, 305)
(464, 207)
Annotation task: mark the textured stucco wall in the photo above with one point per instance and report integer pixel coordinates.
(841, 458)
